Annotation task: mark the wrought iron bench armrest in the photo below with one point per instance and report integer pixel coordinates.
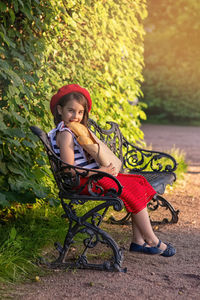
(71, 188)
(139, 159)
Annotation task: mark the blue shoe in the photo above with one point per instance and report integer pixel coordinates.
(169, 251)
(143, 249)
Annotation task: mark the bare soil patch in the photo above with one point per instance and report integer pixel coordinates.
(148, 277)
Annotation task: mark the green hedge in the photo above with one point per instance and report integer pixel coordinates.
(46, 44)
(172, 60)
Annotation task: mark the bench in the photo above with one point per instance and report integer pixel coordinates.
(157, 167)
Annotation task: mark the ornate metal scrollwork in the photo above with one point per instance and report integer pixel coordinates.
(137, 159)
(95, 236)
(72, 182)
(159, 201)
(153, 205)
(134, 158)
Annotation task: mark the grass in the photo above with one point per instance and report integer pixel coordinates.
(23, 239)
(27, 235)
(179, 156)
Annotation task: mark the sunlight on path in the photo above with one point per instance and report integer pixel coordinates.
(165, 137)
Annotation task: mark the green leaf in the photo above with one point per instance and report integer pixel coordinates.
(15, 132)
(3, 168)
(13, 91)
(14, 77)
(13, 142)
(12, 15)
(13, 234)
(7, 40)
(21, 2)
(28, 144)
(16, 170)
(19, 118)
(16, 7)
(3, 201)
(19, 156)
(2, 125)
(3, 7)
(27, 12)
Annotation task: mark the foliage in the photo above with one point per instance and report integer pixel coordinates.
(172, 60)
(180, 157)
(46, 44)
(27, 237)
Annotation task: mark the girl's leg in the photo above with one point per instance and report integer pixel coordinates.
(137, 236)
(143, 230)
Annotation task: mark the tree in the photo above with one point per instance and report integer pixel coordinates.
(172, 60)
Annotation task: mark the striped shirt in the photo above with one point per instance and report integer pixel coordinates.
(80, 158)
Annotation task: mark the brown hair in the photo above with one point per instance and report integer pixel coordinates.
(72, 96)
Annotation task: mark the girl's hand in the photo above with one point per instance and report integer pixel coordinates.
(109, 169)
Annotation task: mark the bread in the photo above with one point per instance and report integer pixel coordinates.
(84, 140)
(82, 133)
(94, 146)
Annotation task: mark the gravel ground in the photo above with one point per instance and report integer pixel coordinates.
(147, 277)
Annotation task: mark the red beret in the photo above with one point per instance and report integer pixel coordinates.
(67, 89)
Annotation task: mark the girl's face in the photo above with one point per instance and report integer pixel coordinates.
(73, 111)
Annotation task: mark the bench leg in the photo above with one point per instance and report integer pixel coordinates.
(123, 221)
(159, 201)
(87, 226)
(153, 205)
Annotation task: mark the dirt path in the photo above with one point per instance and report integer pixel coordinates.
(147, 277)
(165, 137)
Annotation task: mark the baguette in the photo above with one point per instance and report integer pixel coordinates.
(82, 133)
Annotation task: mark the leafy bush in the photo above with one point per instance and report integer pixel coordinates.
(46, 44)
(172, 60)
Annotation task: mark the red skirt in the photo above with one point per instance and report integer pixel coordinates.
(136, 192)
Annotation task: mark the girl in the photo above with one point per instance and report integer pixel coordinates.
(72, 103)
